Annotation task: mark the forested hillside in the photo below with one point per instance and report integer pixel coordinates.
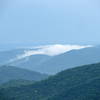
(81, 83)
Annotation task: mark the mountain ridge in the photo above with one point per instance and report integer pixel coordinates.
(8, 73)
(76, 83)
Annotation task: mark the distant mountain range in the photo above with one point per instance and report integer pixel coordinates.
(30, 62)
(8, 73)
(10, 55)
(80, 83)
(50, 64)
(70, 59)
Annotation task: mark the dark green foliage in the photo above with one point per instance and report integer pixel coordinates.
(16, 83)
(86, 91)
(2, 97)
(81, 83)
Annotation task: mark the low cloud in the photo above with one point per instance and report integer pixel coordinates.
(50, 50)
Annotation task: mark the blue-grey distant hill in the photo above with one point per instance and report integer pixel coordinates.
(70, 59)
(31, 62)
(6, 56)
(8, 73)
(10, 58)
(54, 64)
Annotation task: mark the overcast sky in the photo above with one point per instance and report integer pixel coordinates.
(49, 22)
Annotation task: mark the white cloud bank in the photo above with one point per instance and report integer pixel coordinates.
(51, 50)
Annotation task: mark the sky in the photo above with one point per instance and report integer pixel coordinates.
(38, 22)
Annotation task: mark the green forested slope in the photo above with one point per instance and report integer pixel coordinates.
(15, 83)
(81, 83)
